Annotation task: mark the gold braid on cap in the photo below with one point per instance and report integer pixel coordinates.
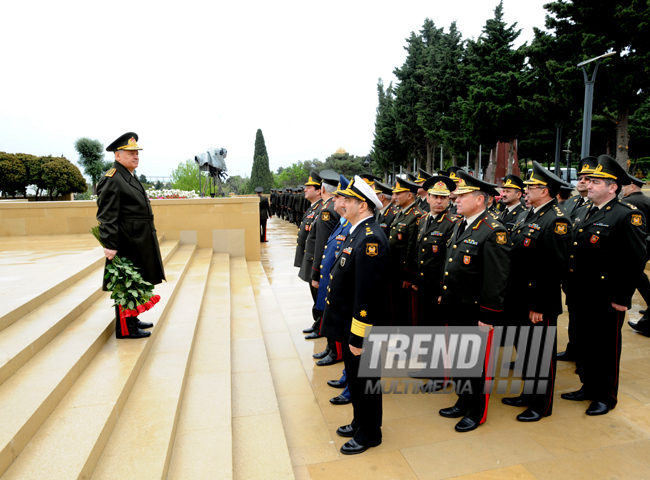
(509, 184)
(440, 189)
(399, 189)
(132, 145)
(598, 173)
(535, 181)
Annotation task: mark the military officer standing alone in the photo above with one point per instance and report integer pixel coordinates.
(538, 266)
(357, 280)
(474, 282)
(126, 224)
(265, 212)
(605, 262)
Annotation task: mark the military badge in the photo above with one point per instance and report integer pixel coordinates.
(340, 237)
(325, 216)
(637, 220)
(110, 173)
(399, 236)
(466, 259)
(501, 238)
(347, 250)
(526, 242)
(306, 228)
(434, 248)
(594, 238)
(372, 249)
(561, 228)
(343, 261)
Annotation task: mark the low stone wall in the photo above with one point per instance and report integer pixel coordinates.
(228, 225)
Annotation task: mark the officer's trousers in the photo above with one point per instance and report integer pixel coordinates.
(366, 407)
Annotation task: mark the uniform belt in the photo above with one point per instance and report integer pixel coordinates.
(140, 217)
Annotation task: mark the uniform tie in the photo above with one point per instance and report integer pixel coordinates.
(592, 210)
(462, 226)
(580, 202)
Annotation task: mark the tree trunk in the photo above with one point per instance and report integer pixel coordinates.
(454, 160)
(511, 157)
(477, 165)
(623, 138)
(94, 188)
(429, 155)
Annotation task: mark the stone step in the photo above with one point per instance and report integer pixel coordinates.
(307, 433)
(18, 302)
(25, 338)
(57, 270)
(142, 440)
(95, 395)
(203, 445)
(256, 424)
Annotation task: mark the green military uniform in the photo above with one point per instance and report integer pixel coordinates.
(509, 216)
(434, 233)
(126, 224)
(606, 259)
(538, 266)
(403, 257)
(473, 290)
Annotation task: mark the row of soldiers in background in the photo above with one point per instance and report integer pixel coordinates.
(289, 204)
(497, 266)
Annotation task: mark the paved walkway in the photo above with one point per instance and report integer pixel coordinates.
(420, 444)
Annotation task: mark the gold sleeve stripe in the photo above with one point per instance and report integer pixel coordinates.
(359, 328)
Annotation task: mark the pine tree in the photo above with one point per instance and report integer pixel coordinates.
(593, 28)
(492, 108)
(261, 175)
(387, 147)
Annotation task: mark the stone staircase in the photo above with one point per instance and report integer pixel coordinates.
(196, 400)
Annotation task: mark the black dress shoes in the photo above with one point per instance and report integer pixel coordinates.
(313, 335)
(138, 324)
(597, 408)
(642, 312)
(345, 431)
(578, 396)
(452, 412)
(644, 330)
(340, 400)
(515, 401)
(353, 448)
(466, 425)
(308, 330)
(322, 354)
(565, 357)
(328, 360)
(336, 384)
(530, 415)
(134, 333)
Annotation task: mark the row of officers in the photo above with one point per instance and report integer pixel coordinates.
(437, 250)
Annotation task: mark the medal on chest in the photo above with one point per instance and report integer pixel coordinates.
(434, 248)
(526, 242)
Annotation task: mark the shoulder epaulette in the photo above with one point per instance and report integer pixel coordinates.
(110, 173)
(629, 205)
(558, 211)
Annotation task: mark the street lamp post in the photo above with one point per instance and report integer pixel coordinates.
(589, 100)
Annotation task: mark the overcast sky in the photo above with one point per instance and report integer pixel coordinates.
(187, 76)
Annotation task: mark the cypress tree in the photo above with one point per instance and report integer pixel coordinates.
(261, 175)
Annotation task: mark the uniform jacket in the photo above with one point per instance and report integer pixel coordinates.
(433, 236)
(334, 242)
(403, 244)
(303, 231)
(423, 204)
(265, 209)
(358, 282)
(474, 279)
(572, 208)
(538, 263)
(509, 218)
(607, 256)
(326, 222)
(385, 219)
(126, 223)
(640, 201)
